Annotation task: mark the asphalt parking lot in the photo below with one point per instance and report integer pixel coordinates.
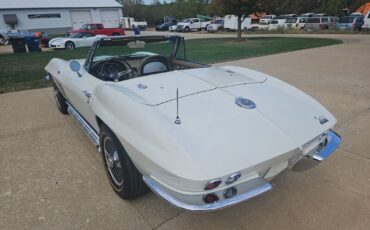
(51, 176)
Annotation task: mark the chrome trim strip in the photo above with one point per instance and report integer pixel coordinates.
(207, 207)
(334, 141)
(88, 130)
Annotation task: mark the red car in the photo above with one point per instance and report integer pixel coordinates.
(98, 28)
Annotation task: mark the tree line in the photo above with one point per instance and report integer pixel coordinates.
(180, 9)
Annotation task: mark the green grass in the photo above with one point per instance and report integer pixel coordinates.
(26, 71)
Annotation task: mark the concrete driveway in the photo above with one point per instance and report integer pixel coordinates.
(51, 177)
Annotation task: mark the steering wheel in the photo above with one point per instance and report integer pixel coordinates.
(113, 70)
(155, 69)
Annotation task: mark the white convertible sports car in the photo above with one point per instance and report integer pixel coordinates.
(76, 40)
(200, 137)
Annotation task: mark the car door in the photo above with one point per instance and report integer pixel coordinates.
(195, 24)
(79, 88)
(87, 40)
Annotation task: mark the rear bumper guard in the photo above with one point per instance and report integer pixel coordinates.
(333, 143)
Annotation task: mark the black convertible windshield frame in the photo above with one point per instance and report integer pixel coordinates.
(124, 40)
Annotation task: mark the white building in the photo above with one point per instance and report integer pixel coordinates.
(58, 15)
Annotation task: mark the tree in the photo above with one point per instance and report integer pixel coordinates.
(240, 8)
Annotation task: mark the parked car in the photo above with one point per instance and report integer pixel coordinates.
(350, 23)
(4, 38)
(236, 128)
(231, 23)
(295, 23)
(215, 26)
(98, 29)
(192, 24)
(333, 21)
(277, 23)
(173, 28)
(366, 25)
(265, 21)
(165, 26)
(76, 40)
(316, 23)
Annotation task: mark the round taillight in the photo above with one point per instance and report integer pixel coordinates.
(212, 184)
(230, 192)
(210, 198)
(234, 177)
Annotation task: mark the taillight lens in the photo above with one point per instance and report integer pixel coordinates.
(210, 198)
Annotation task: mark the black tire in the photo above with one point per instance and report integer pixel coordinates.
(125, 179)
(3, 41)
(70, 45)
(187, 29)
(59, 99)
(115, 34)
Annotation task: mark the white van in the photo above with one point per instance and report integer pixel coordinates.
(231, 23)
(366, 25)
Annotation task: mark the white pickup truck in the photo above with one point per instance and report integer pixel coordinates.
(128, 23)
(192, 24)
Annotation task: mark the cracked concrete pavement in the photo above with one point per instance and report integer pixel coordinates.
(51, 176)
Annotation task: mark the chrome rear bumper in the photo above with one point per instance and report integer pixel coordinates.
(262, 187)
(255, 187)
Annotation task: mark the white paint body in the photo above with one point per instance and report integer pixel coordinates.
(192, 24)
(216, 137)
(59, 43)
(128, 23)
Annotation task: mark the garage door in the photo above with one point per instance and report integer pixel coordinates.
(110, 18)
(80, 17)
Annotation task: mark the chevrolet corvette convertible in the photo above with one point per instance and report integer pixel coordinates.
(200, 137)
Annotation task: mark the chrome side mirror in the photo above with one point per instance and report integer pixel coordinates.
(75, 66)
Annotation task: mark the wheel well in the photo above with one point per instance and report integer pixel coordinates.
(99, 122)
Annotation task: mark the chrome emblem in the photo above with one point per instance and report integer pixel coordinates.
(245, 103)
(322, 119)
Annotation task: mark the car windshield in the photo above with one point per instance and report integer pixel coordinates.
(346, 19)
(187, 21)
(134, 50)
(291, 20)
(274, 22)
(76, 35)
(219, 22)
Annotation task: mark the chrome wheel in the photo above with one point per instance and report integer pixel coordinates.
(112, 161)
(3, 41)
(70, 46)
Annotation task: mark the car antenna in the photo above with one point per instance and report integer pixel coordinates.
(177, 121)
